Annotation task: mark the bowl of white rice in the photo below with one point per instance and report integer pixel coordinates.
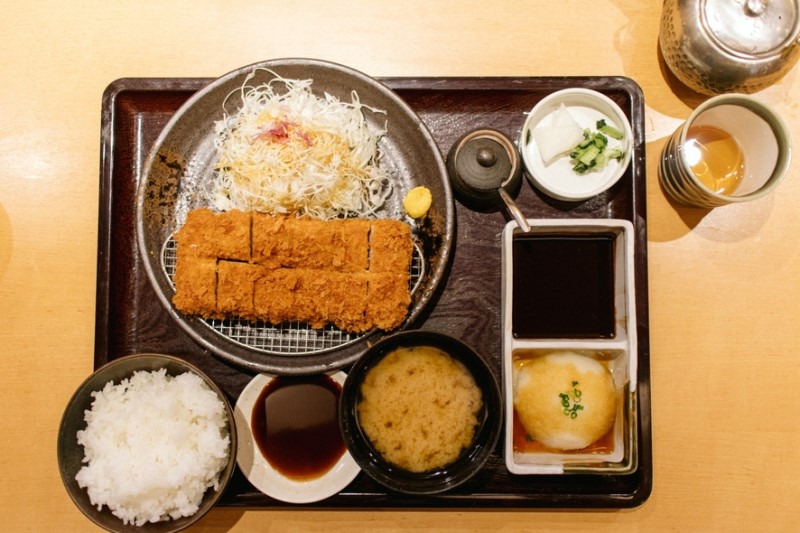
(147, 443)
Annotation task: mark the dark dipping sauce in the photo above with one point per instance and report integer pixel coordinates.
(295, 424)
(563, 286)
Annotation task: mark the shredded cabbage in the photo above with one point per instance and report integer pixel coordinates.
(294, 152)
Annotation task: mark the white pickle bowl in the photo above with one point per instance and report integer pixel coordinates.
(557, 178)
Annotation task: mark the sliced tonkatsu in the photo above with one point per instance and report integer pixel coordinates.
(351, 273)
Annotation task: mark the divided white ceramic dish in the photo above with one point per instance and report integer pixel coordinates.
(618, 352)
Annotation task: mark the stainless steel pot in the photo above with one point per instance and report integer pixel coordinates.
(718, 46)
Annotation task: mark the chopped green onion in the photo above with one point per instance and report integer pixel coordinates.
(609, 130)
(590, 153)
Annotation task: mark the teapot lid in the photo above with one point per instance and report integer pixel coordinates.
(751, 27)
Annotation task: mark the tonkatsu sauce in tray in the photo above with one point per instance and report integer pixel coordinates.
(131, 319)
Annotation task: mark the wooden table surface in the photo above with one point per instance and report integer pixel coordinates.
(724, 284)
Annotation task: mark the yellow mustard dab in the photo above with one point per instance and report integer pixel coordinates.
(417, 202)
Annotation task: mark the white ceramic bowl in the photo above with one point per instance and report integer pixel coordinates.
(557, 179)
(264, 476)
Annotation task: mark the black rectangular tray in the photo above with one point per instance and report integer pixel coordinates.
(130, 318)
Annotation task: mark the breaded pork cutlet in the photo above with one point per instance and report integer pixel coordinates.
(388, 299)
(286, 242)
(235, 288)
(314, 297)
(347, 301)
(334, 245)
(390, 246)
(275, 294)
(268, 242)
(352, 273)
(336, 298)
(352, 255)
(195, 285)
(224, 235)
(312, 244)
(292, 295)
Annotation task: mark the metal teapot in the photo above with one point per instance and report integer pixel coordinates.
(718, 46)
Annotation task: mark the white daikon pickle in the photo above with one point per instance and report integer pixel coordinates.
(559, 136)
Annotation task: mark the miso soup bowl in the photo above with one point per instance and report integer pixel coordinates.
(469, 462)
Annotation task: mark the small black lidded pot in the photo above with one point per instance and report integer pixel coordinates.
(485, 171)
